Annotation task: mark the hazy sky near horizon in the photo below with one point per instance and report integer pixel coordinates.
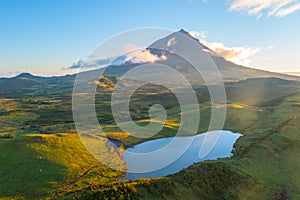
(43, 37)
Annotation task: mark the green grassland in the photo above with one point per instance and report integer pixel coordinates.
(42, 157)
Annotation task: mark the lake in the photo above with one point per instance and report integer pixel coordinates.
(219, 144)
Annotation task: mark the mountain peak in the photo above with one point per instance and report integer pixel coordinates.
(187, 34)
(25, 75)
(183, 31)
(196, 39)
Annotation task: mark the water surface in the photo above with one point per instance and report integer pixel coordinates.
(222, 149)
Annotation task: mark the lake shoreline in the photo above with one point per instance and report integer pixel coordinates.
(223, 148)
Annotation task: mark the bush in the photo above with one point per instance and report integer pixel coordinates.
(6, 136)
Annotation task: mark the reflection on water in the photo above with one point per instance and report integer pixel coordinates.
(222, 149)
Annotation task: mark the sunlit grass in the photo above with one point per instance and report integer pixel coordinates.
(167, 123)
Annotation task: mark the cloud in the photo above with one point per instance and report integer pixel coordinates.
(171, 42)
(97, 63)
(131, 54)
(82, 64)
(136, 55)
(146, 56)
(279, 8)
(238, 55)
(198, 34)
(289, 10)
(76, 65)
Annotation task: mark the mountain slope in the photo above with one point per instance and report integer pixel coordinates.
(264, 165)
(16, 86)
(182, 41)
(228, 70)
(53, 80)
(28, 84)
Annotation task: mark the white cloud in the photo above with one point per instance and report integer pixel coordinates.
(146, 56)
(279, 8)
(287, 11)
(171, 42)
(239, 55)
(130, 53)
(97, 63)
(137, 55)
(198, 34)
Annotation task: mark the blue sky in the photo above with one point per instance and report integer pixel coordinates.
(45, 36)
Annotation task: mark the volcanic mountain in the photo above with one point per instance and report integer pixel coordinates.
(182, 41)
(180, 51)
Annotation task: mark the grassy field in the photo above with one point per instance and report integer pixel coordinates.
(264, 165)
(42, 157)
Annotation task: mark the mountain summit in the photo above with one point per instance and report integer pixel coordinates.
(169, 46)
(175, 42)
(25, 75)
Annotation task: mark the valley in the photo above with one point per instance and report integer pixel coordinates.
(50, 154)
(45, 156)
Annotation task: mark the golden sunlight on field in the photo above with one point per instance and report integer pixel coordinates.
(234, 105)
(167, 123)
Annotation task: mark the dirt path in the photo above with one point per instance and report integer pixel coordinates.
(75, 180)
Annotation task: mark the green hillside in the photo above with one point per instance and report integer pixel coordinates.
(44, 157)
(14, 85)
(264, 165)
